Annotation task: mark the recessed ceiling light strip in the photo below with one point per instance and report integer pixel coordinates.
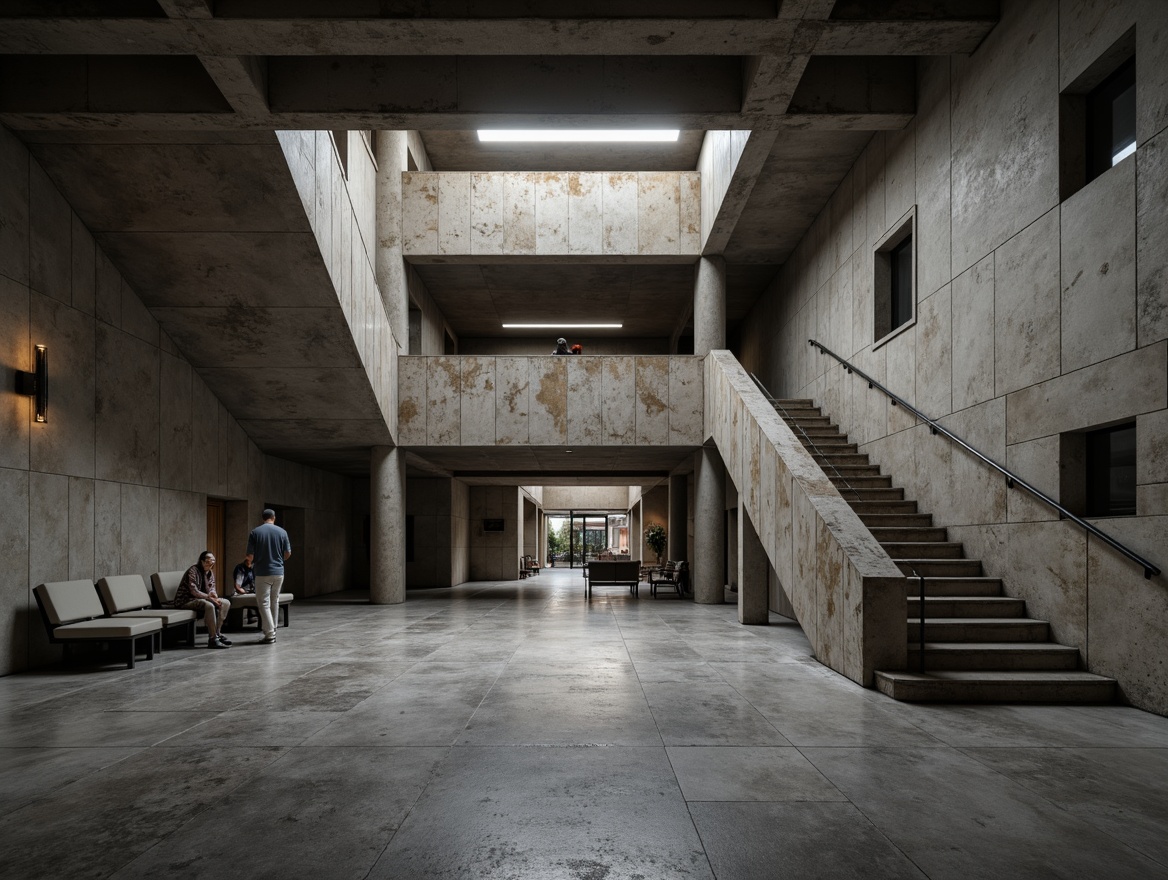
(562, 326)
(579, 135)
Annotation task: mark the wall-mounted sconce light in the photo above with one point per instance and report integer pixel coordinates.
(36, 383)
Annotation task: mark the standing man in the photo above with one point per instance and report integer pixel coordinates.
(267, 548)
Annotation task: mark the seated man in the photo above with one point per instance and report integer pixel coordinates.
(244, 578)
(197, 592)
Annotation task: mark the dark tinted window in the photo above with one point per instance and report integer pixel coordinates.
(1111, 471)
(1111, 120)
(901, 258)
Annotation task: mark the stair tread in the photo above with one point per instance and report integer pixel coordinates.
(1003, 647)
(967, 621)
(997, 675)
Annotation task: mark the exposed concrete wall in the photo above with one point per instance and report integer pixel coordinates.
(848, 595)
(1033, 318)
(609, 498)
(487, 401)
(654, 509)
(432, 328)
(494, 556)
(117, 480)
(333, 211)
(459, 532)
(577, 214)
(430, 501)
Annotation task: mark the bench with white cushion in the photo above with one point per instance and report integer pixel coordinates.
(166, 583)
(126, 596)
(72, 612)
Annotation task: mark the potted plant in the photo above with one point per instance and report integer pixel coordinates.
(656, 539)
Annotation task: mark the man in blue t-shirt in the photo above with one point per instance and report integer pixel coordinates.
(267, 548)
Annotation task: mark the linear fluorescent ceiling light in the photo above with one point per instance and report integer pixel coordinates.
(562, 326)
(578, 135)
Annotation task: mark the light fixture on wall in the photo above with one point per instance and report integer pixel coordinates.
(36, 383)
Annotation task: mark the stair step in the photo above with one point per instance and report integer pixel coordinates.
(806, 421)
(923, 549)
(880, 519)
(861, 481)
(853, 470)
(794, 401)
(980, 629)
(877, 494)
(866, 508)
(965, 606)
(828, 430)
(998, 687)
(827, 445)
(955, 586)
(908, 533)
(840, 458)
(940, 567)
(994, 656)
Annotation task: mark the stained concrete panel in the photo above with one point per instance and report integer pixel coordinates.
(549, 401)
(1151, 68)
(83, 267)
(1152, 240)
(204, 438)
(1036, 462)
(1026, 296)
(1048, 568)
(81, 523)
(1152, 447)
(50, 236)
(420, 211)
(585, 220)
(519, 213)
(973, 341)
(619, 418)
(934, 346)
(477, 420)
(551, 213)
(1099, 268)
(1116, 389)
(15, 594)
(15, 354)
(182, 531)
(487, 209)
(140, 528)
(108, 290)
(454, 213)
(127, 407)
(512, 400)
(64, 445)
(690, 207)
(652, 408)
(412, 402)
(107, 528)
(586, 401)
(14, 222)
(1005, 132)
(658, 214)
(48, 512)
(933, 154)
(444, 389)
(900, 174)
(620, 213)
(686, 405)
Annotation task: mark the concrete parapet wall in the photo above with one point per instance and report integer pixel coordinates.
(848, 595)
(540, 401)
(553, 214)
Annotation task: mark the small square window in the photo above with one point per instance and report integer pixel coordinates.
(894, 280)
(1097, 117)
(1111, 120)
(1111, 471)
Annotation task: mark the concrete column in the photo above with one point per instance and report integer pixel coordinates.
(709, 527)
(387, 528)
(636, 538)
(709, 312)
(392, 159)
(678, 514)
(753, 570)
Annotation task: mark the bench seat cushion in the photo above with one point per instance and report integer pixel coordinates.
(110, 628)
(248, 600)
(123, 592)
(67, 601)
(168, 616)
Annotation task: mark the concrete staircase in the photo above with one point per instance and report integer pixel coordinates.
(979, 644)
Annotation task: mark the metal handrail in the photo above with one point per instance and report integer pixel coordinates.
(1012, 479)
(782, 410)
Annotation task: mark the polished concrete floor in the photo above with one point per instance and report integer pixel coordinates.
(516, 731)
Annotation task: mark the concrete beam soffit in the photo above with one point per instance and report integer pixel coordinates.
(746, 171)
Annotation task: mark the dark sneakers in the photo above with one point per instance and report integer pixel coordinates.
(215, 643)
(223, 641)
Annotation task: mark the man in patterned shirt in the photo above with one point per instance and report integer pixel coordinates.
(197, 592)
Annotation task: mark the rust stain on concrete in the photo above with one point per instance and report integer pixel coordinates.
(553, 394)
(453, 375)
(407, 411)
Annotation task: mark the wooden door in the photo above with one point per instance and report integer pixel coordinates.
(217, 537)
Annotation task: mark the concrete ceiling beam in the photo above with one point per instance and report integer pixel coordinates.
(856, 85)
(746, 171)
(243, 81)
(452, 37)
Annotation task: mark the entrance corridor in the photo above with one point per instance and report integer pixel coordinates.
(514, 730)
